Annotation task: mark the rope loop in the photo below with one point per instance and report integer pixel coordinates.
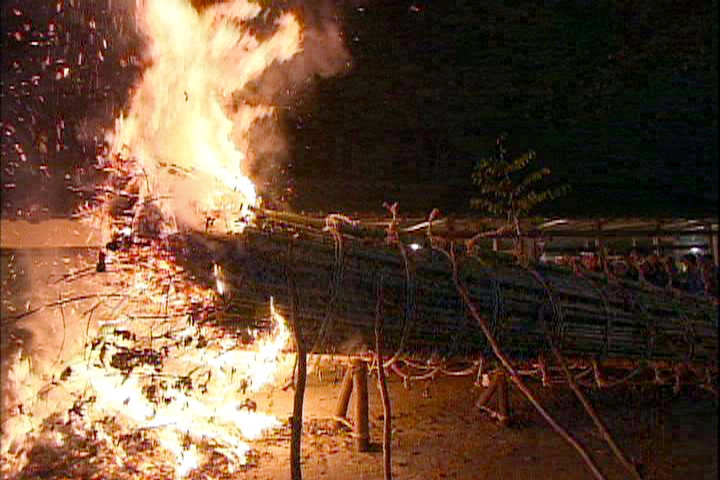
(332, 225)
(409, 313)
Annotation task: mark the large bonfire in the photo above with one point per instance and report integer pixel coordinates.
(186, 131)
(142, 387)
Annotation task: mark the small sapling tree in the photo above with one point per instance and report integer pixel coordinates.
(510, 189)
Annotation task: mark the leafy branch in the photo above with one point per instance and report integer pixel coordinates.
(509, 188)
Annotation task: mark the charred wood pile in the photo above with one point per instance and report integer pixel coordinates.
(336, 266)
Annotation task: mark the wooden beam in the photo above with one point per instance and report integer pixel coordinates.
(644, 233)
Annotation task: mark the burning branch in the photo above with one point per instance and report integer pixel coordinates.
(58, 303)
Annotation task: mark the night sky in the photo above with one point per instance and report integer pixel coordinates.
(618, 98)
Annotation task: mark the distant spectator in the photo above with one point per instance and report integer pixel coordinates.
(709, 273)
(633, 261)
(562, 261)
(651, 270)
(592, 263)
(671, 270)
(692, 279)
(575, 264)
(657, 273)
(596, 263)
(643, 269)
(619, 268)
(586, 261)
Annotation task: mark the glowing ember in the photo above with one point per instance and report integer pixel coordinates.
(184, 127)
(217, 273)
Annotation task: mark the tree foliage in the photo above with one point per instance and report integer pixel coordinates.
(510, 188)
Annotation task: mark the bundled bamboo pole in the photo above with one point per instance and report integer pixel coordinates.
(424, 313)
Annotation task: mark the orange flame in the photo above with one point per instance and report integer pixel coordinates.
(197, 393)
(186, 134)
(184, 127)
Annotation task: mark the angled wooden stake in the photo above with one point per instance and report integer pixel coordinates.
(343, 400)
(498, 389)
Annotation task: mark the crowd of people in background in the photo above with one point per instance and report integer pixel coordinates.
(693, 274)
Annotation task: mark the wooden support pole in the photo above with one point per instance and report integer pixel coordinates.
(503, 398)
(382, 384)
(297, 419)
(570, 378)
(300, 381)
(343, 400)
(362, 423)
(600, 248)
(530, 249)
(657, 249)
(600, 381)
(483, 324)
(593, 415)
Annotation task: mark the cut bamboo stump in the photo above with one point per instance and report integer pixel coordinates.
(362, 422)
(355, 380)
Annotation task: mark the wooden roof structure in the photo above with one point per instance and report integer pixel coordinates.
(20, 234)
(653, 230)
(467, 227)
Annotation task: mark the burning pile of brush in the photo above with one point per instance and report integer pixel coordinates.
(148, 387)
(154, 390)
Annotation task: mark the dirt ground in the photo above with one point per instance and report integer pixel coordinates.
(438, 433)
